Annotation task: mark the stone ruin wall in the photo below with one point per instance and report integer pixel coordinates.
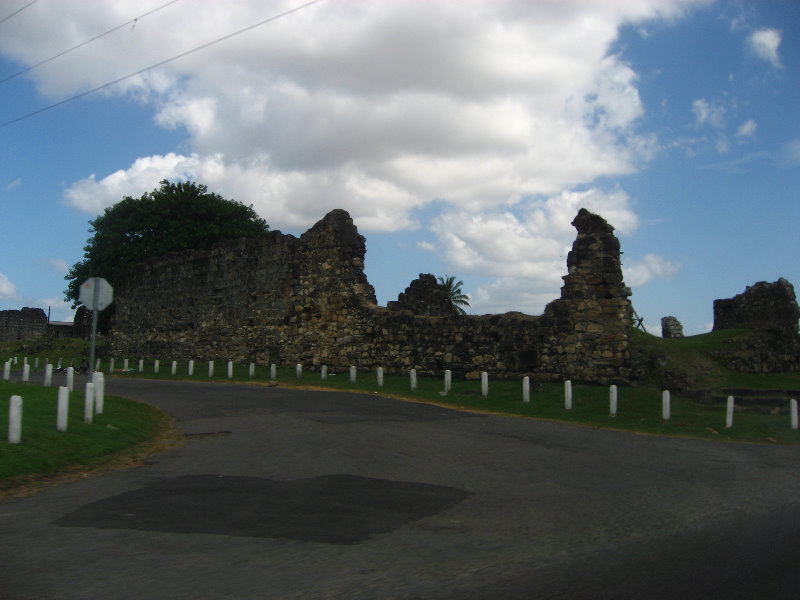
(770, 310)
(277, 298)
(24, 324)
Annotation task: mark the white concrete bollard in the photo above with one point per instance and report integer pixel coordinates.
(323, 372)
(448, 381)
(48, 375)
(380, 377)
(26, 373)
(526, 389)
(125, 365)
(16, 360)
(155, 366)
(665, 405)
(568, 394)
(729, 413)
(7, 370)
(36, 364)
(413, 376)
(88, 403)
(352, 374)
(252, 371)
(191, 367)
(210, 369)
(299, 371)
(141, 365)
(111, 365)
(99, 392)
(230, 369)
(793, 413)
(15, 420)
(484, 384)
(612, 401)
(71, 378)
(174, 369)
(63, 408)
(273, 371)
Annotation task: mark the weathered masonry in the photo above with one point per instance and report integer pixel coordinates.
(23, 324)
(771, 312)
(277, 298)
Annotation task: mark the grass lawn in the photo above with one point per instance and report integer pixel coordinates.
(122, 428)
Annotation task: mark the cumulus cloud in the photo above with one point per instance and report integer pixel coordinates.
(376, 107)
(764, 44)
(524, 250)
(747, 129)
(707, 113)
(8, 291)
(59, 265)
(638, 273)
(506, 114)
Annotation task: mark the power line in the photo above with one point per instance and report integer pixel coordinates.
(159, 64)
(97, 37)
(16, 12)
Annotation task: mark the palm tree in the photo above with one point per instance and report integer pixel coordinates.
(452, 290)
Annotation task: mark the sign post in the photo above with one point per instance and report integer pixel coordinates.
(96, 294)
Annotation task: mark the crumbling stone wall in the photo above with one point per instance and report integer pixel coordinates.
(281, 299)
(23, 324)
(770, 310)
(671, 328)
(425, 296)
(769, 306)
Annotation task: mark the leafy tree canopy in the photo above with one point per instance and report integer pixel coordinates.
(452, 290)
(176, 216)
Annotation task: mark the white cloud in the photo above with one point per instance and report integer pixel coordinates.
(764, 44)
(58, 265)
(8, 291)
(791, 151)
(708, 113)
(747, 129)
(526, 250)
(507, 114)
(374, 107)
(637, 273)
(13, 184)
(59, 310)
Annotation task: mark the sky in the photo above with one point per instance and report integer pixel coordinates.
(462, 136)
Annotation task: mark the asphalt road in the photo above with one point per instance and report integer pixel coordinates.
(300, 495)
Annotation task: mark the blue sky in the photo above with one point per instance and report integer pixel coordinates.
(462, 137)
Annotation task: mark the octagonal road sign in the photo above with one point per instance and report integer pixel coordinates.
(96, 293)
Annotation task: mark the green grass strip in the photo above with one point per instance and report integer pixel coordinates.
(44, 450)
(639, 408)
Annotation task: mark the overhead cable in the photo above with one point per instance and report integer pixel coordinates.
(159, 64)
(97, 37)
(16, 12)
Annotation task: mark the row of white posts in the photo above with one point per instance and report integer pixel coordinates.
(665, 397)
(94, 401)
(48, 374)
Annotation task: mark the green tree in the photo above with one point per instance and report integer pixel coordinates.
(452, 290)
(176, 216)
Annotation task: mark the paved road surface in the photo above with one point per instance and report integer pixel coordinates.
(302, 495)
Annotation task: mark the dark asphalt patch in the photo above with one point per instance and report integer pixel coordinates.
(334, 509)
